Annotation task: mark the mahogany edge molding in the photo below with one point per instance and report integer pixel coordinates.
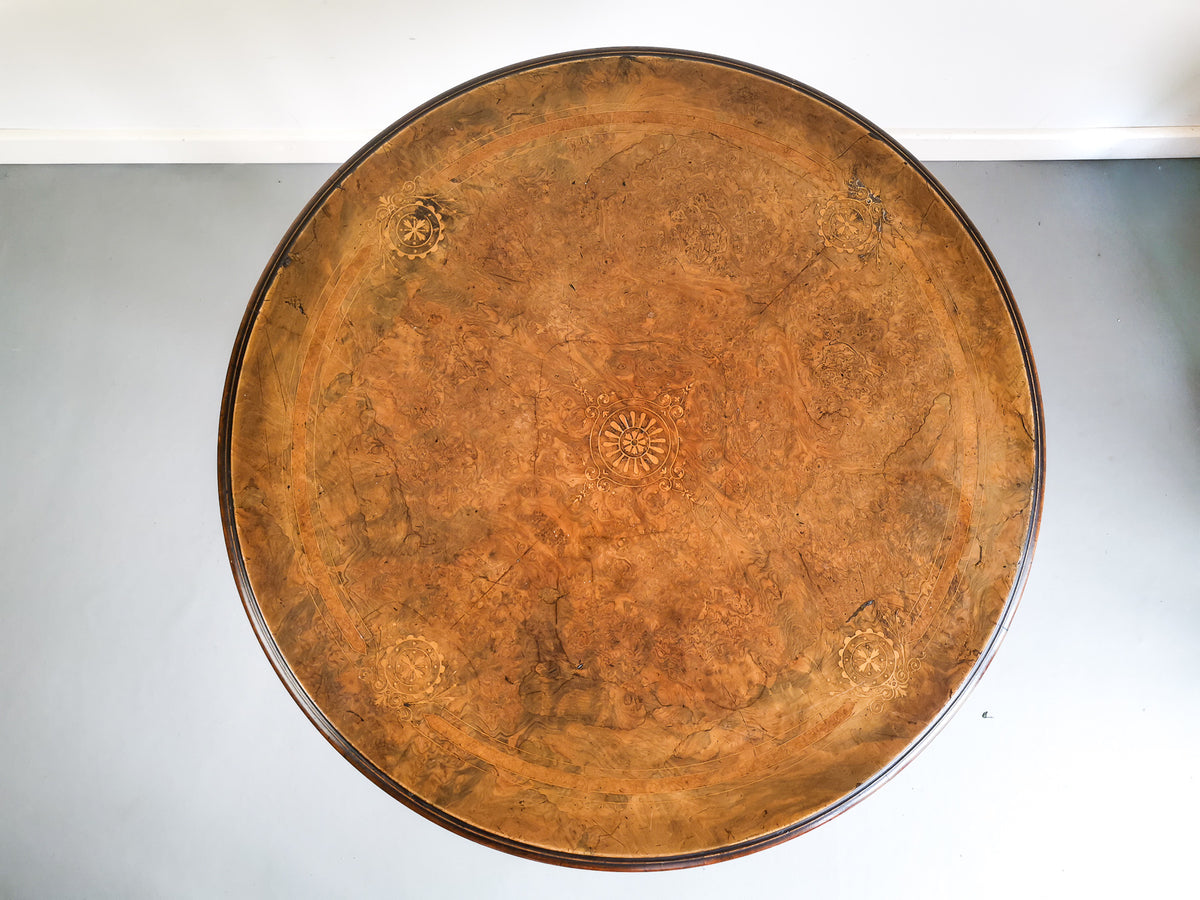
(431, 812)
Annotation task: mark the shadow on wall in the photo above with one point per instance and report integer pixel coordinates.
(1171, 241)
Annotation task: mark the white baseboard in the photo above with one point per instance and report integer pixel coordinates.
(1052, 143)
(117, 146)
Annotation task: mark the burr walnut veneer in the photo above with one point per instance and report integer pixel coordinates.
(629, 458)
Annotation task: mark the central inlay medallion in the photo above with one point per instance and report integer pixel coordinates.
(633, 441)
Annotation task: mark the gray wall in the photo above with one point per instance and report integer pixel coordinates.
(149, 751)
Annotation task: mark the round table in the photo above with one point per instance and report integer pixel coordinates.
(628, 459)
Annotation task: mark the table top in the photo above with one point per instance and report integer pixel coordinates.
(629, 458)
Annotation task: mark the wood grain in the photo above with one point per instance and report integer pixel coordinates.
(629, 458)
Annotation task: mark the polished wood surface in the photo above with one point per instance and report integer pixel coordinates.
(628, 459)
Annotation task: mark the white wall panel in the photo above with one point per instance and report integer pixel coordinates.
(306, 80)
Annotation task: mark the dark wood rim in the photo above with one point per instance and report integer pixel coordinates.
(326, 728)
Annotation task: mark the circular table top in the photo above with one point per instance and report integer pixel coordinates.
(628, 458)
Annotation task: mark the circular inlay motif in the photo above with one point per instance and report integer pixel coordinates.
(633, 442)
(413, 229)
(408, 670)
(849, 225)
(868, 658)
